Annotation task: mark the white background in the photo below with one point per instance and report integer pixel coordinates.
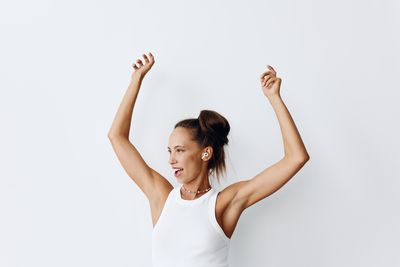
(65, 200)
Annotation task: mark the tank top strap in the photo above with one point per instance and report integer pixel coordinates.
(167, 203)
(212, 215)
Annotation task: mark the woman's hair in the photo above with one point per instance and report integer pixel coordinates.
(210, 129)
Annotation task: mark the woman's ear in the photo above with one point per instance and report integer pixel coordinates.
(210, 151)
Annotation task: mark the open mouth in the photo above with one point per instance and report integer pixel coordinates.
(178, 171)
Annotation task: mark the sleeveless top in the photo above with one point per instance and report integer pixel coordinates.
(187, 233)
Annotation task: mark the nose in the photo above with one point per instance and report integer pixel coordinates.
(171, 158)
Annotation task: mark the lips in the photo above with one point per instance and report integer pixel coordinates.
(177, 170)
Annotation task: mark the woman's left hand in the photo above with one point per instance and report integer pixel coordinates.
(270, 83)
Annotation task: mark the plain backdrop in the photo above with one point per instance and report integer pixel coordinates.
(65, 200)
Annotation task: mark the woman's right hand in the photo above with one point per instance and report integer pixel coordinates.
(140, 69)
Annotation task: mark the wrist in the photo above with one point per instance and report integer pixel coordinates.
(136, 82)
(137, 77)
(274, 97)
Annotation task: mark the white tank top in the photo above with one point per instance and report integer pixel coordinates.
(187, 233)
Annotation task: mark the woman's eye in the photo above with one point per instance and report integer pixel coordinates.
(178, 150)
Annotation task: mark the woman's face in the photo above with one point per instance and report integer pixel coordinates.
(184, 153)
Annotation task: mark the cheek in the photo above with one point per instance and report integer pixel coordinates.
(193, 162)
(189, 161)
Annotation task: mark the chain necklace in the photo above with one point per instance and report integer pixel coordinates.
(198, 191)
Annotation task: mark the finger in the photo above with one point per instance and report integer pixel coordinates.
(267, 78)
(271, 68)
(135, 67)
(265, 81)
(146, 58)
(270, 82)
(267, 73)
(263, 74)
(151, 58)
(139, 62)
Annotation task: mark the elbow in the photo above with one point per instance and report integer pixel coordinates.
(112, 136)
(113, 133)
(300, 159)
(303, 158)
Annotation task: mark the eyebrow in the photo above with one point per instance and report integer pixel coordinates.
(176, 147)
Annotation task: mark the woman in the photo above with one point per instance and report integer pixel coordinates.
(193, 224)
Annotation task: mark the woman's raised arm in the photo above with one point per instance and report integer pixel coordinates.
(249, 192)
(149, 181)
(122, 121)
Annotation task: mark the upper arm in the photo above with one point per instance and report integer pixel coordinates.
(266, 182)
(149, 181)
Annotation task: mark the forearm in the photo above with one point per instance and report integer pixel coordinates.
(293, 144)
(122, 121)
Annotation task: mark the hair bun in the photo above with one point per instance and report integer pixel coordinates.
(214, 126)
